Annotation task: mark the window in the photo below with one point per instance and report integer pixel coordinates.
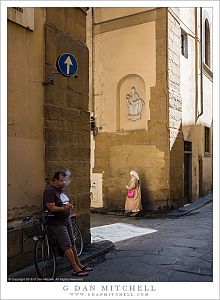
(207, 43)
(184, 43)
(207, 140)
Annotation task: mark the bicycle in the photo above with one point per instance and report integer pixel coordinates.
(45, 247)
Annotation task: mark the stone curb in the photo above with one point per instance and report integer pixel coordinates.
(90, 252)
(188, 211)
(198, 203)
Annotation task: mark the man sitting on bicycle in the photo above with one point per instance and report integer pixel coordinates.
(56, 201)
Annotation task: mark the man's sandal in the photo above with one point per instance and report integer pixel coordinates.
(80, 274)
(86, 269)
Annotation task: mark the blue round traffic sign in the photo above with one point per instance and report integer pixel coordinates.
(67, 64)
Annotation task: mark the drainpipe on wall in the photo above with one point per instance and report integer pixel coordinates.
(93, 115)
(196, 63)
(201, 62)
(93, 62)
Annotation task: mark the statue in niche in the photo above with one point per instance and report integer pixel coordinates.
(135, 105)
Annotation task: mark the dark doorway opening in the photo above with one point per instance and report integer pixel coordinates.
(187, 172)
(200, 177)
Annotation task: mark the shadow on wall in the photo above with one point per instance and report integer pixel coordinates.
(152, 200)
(169, 179)
(198, 161)
(145, 194)
(176, 169)
(190, 170)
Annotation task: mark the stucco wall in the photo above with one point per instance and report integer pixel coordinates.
(207, 117)
(135, 47)
(111, 13)
(25, 117)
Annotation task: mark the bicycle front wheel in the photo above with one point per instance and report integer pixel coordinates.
(77, 238)
(45, 260)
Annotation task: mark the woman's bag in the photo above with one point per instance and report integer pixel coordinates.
(131, 193)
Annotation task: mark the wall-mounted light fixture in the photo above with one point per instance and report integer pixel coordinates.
(93, 126)
(50, 81)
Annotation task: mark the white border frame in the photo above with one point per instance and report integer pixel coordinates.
(56, 290)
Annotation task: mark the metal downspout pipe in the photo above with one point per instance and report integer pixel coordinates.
(201, 63)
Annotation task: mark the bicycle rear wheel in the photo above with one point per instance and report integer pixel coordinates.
(44, 258)
(77, 237)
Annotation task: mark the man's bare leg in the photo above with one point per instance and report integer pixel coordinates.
(81, 266)
(72, 259)
(76, 257)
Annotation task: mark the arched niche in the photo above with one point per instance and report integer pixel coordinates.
(132, 106)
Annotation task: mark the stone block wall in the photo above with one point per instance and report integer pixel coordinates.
(117, 155)
(20, 249)
(66, 116)
(175, 112)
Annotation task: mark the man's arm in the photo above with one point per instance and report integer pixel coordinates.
(53, 208)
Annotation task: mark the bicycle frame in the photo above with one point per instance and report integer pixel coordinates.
(45, 249)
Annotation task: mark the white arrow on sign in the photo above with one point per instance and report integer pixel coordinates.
(68, 63)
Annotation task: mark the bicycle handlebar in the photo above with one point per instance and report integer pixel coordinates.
(48, 214)
(29, 218)
(45, 214)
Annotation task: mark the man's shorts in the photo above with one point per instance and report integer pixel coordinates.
(63, 235)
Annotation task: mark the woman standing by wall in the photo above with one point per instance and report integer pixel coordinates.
(133, 200)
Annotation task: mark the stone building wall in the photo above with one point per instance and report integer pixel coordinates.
(66, 116)
(49, 124)
(195, 89)
(172, 103)
(175, 110)
(146, 150)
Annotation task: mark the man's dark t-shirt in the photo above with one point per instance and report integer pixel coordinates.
(51, 194)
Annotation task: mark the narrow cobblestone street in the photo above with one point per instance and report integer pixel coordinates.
(154, 250)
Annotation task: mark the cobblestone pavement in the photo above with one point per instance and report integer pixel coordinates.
(154, 250)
